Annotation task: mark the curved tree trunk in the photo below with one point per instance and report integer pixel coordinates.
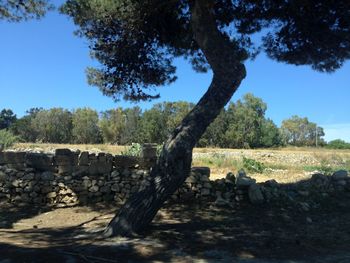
(174, 163)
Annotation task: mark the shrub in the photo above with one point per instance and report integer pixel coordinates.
(7, 139)
(134, 150)
(338, 144)
(252, 165)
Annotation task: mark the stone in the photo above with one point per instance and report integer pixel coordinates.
(191, 180)
(105, 189)
(65, 169)
(149, 151)
(39, 161)
(271, 183)
(115, 173)
(47, 176)
(341, 182)
(83, 159)
(12, 157)
(86, 183)
(126, 161)
(255, 194)
(204, 178)
(230, 177)
(51, 195)
(340, 175)
(201, 170)
(304, 206)
(309, 220)
(244, 181)
(94, 189)
(3, 177)
(205, 192)
(304, 193)
(16, 183)
(29, 176)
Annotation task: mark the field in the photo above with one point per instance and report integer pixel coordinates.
(285, 165)
(194, 232)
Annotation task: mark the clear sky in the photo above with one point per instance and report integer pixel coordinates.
(42, 64)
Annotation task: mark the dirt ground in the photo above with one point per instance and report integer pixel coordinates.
(191, 232)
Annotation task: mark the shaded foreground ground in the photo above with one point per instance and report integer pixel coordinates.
(181, 233)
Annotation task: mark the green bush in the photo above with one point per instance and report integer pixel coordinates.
(134, 150)
(7, 139)
(252, 165)
(338, 144)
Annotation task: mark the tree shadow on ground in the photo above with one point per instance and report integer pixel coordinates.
(10, 213)
(185, 232)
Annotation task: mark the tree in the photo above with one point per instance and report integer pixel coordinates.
(270, 135)
(7, 118)
(338, 144)
(214, 135)
(17, 10)
(54, 125)
(136, 42)
(85, 126)
(112, 125)
(158, 122)
(245, 120)
(299, 131)
(23, 127)
(132, 132)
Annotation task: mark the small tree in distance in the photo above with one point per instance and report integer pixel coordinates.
(136, 42)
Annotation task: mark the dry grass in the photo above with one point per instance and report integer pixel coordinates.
(285, 165)
(47, 147)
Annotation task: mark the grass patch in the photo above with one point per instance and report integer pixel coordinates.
(218, 160)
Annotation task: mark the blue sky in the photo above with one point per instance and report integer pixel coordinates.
(43, 65)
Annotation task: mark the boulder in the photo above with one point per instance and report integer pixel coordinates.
(340, 175)
(255, 194)
(244, 181)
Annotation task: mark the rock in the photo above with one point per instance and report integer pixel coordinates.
(16, 183)
(205, 192)
(340, 175)
(94, 189)
(83, 159)
(115, 188)
(304, 193)
(230, 177)
(255, 194)
(204, 178)
(341, 182)
(201, 170)
(28, 177)
(47, 176)
(51, 195)
(304, 206)
(115, 173)
(191, 180)
(244, 181)
(105, 189)
(3, 177)
(271, 183)
(309, 220)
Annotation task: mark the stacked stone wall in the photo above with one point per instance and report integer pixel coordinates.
(72, 177)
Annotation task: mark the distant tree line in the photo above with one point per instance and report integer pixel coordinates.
(241, 125)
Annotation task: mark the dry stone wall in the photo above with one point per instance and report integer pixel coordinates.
(72, 177)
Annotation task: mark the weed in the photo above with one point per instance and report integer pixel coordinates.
(134, 150)
(7, 139)
(252, 165)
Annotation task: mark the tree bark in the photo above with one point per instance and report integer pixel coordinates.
(174, 163)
